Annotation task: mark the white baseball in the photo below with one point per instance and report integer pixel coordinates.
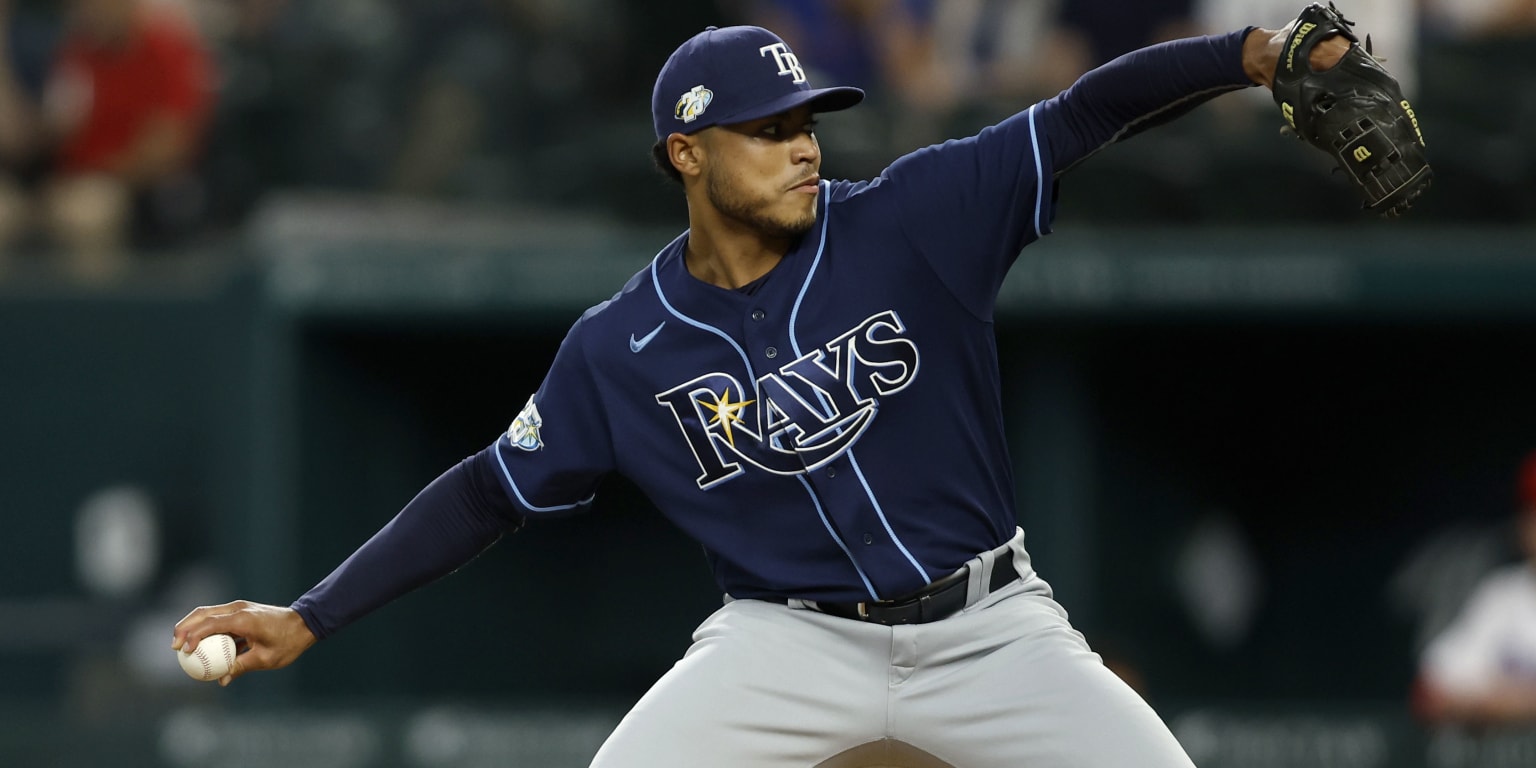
(213, 659)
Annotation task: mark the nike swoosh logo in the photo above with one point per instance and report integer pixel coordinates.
(635, 345)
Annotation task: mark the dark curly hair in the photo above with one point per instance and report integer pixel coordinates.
(663, 162)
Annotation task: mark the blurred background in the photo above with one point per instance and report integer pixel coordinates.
(269, 266)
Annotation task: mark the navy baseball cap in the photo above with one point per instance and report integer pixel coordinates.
(723, 76)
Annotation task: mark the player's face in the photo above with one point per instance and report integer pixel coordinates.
(764, 173)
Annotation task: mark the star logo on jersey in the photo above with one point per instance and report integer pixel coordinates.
(525, 430)
(800, 417)
(635, 345)
(693, 103)
(727, 413)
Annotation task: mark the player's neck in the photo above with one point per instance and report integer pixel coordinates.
(732, 257)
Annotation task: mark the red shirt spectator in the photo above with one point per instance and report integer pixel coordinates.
(158, 71)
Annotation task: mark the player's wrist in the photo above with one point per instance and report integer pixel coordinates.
(296, 628)
(1261, 53)
(1262, 49)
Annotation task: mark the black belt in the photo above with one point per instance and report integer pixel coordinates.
(941, 599)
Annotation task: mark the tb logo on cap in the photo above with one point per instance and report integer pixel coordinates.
(786, 60)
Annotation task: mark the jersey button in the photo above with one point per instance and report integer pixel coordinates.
(758, 314)
(771, 352)
(831, 471)
(869, 538)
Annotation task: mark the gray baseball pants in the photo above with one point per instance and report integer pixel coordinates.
(1005, 683)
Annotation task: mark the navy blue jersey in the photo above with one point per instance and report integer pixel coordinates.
(837, 433)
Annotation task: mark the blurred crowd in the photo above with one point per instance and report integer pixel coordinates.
(133, 124)
(1480, 668)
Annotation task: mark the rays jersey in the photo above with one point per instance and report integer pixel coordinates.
(831, 433)
(836, 432)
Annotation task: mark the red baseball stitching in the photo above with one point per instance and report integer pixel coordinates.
(225, 650)
(228, 649)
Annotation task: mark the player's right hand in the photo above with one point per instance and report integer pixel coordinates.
(268, 636)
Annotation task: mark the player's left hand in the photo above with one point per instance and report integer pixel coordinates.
(1262, 50)
(1350, 108)
(269, 636)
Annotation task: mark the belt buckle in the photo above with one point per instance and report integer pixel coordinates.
(863, 610)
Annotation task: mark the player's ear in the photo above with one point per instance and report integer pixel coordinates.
(686, 153)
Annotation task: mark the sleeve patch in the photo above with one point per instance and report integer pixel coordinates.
(526, 430)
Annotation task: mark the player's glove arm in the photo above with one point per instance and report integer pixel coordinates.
(451, 521)
(1140, 90)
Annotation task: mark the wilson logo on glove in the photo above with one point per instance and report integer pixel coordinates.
(1355, 112)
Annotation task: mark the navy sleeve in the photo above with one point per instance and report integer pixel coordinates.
(452, 520)
(1140, 90)
(969, 206)
(560, 445)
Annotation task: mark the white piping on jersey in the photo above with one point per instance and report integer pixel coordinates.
(656, 282)
(1034, 140)
(794, 343)
(821, 513)
(519, 494)
(794, 313)
(811, 492)
(859, 472)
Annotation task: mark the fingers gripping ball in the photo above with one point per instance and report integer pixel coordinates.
(1354, 111)
(213, 659)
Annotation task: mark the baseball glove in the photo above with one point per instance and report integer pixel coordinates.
(1355, 112)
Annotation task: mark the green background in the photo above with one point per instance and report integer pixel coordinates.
(1340, 403)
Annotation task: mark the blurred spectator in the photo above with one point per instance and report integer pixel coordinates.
(887, 47)
(28, 35)
(1109, 28)
(884, 46)
(307, 97)
(1011, 52)
(1481, 670)
(1474, 19)
(1392, 25)
(115, 133)
(460, 74)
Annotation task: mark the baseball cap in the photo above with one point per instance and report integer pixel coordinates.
(727, 75)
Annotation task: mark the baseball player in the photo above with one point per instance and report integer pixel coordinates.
(1480, 670)
(806, 382)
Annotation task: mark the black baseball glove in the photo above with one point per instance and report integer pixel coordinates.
(1355, 112)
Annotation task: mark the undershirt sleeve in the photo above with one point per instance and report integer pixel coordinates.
(450, 522)
(1140, 90)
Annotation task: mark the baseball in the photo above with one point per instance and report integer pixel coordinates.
(213, 659)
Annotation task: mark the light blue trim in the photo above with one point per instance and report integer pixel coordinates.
(881, 513)
(1034, 140)
(519, 494)
(656, 282)
(873, 595)
(794, 342)
(794, 314)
